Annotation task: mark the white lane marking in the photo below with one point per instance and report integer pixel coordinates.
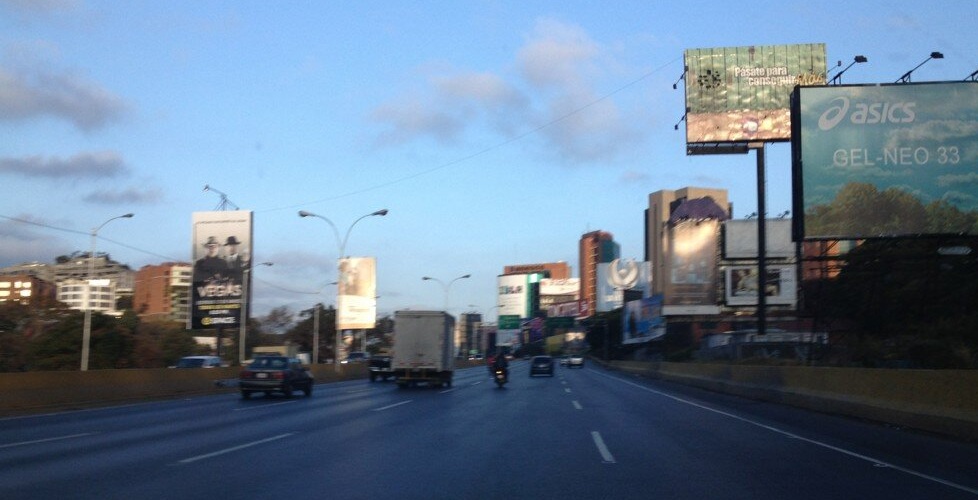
(577, 405)
(264, 406)
(393, 405)
(606, 455)
(46, 440)
(844, 451)
(446, 391)
(567, 390)
(235, 448)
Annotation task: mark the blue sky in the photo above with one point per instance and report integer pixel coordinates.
(495, 132)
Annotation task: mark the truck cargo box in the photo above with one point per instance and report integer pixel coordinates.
(424, 347)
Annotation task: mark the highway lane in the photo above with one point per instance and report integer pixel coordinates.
(587, 433)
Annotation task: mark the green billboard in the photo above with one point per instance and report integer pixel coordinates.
(742, 94)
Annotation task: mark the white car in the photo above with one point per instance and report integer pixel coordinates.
(575, 360)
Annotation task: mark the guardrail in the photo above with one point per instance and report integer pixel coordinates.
(941, 401)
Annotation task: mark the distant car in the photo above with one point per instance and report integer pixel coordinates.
(356, 357)
(575, 360)
(380, 366)
(563, 360)
(199, 362)
(542, 365)
(270, 374)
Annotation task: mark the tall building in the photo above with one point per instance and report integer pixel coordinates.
(595, 248)
(25, 289)
(662, 205)
(162, 292)
(98, 295)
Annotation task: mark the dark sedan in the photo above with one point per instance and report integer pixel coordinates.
(270, 374)
(542, 365)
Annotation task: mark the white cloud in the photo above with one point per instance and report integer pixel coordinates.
(103, 164)
(27, 95)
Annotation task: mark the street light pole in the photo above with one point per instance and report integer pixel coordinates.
(87, 328)
(243, 327)
(342, 252)
(447, 286)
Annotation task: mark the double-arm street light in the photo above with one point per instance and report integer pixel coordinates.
(446, 286)
(87, 329)
(341, 243)
(244, 309)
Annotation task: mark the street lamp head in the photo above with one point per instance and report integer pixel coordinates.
(466, 276)
(936, 55)
(861, 59)
(303, 213)
(426, 278)
(380, 212)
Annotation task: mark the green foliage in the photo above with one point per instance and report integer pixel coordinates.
(859, 209)
(909, 306)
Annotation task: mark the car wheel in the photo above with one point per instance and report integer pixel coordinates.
(373, 377)
(307, 390)
(287, 390)
(245, 394)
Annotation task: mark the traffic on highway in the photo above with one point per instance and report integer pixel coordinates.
(583, 433)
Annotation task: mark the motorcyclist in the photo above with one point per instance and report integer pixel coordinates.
(501, 363)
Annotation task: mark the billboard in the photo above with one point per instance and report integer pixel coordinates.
(617, 276)
(642, 320)
(221, 252)
(514, 294)
(692, 247)
(740, 239)
(741, 285)
(356, 302)
(743, 94)
(885, 160)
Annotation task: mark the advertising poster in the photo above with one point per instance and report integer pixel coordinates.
(617, 276)
(513, 295)
(743, 94)
(642, 320)
(692, 246)
(742, 285)
(356, 301)
(886, 160)
(222, 248)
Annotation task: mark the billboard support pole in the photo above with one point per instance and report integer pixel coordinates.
(761, 241)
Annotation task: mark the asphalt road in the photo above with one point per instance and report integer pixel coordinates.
(584, 433)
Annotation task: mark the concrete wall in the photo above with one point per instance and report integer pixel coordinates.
(942, 401)
(32, 392)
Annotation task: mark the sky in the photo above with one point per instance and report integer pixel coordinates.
(494, 132)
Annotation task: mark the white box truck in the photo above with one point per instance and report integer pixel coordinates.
(423, 348)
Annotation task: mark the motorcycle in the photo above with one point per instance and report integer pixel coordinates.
(499, 375)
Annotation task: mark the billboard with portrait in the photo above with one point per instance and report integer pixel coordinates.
(885, 160)
(742, 94)
(221, 252)
(741, 285)
(356, 300)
